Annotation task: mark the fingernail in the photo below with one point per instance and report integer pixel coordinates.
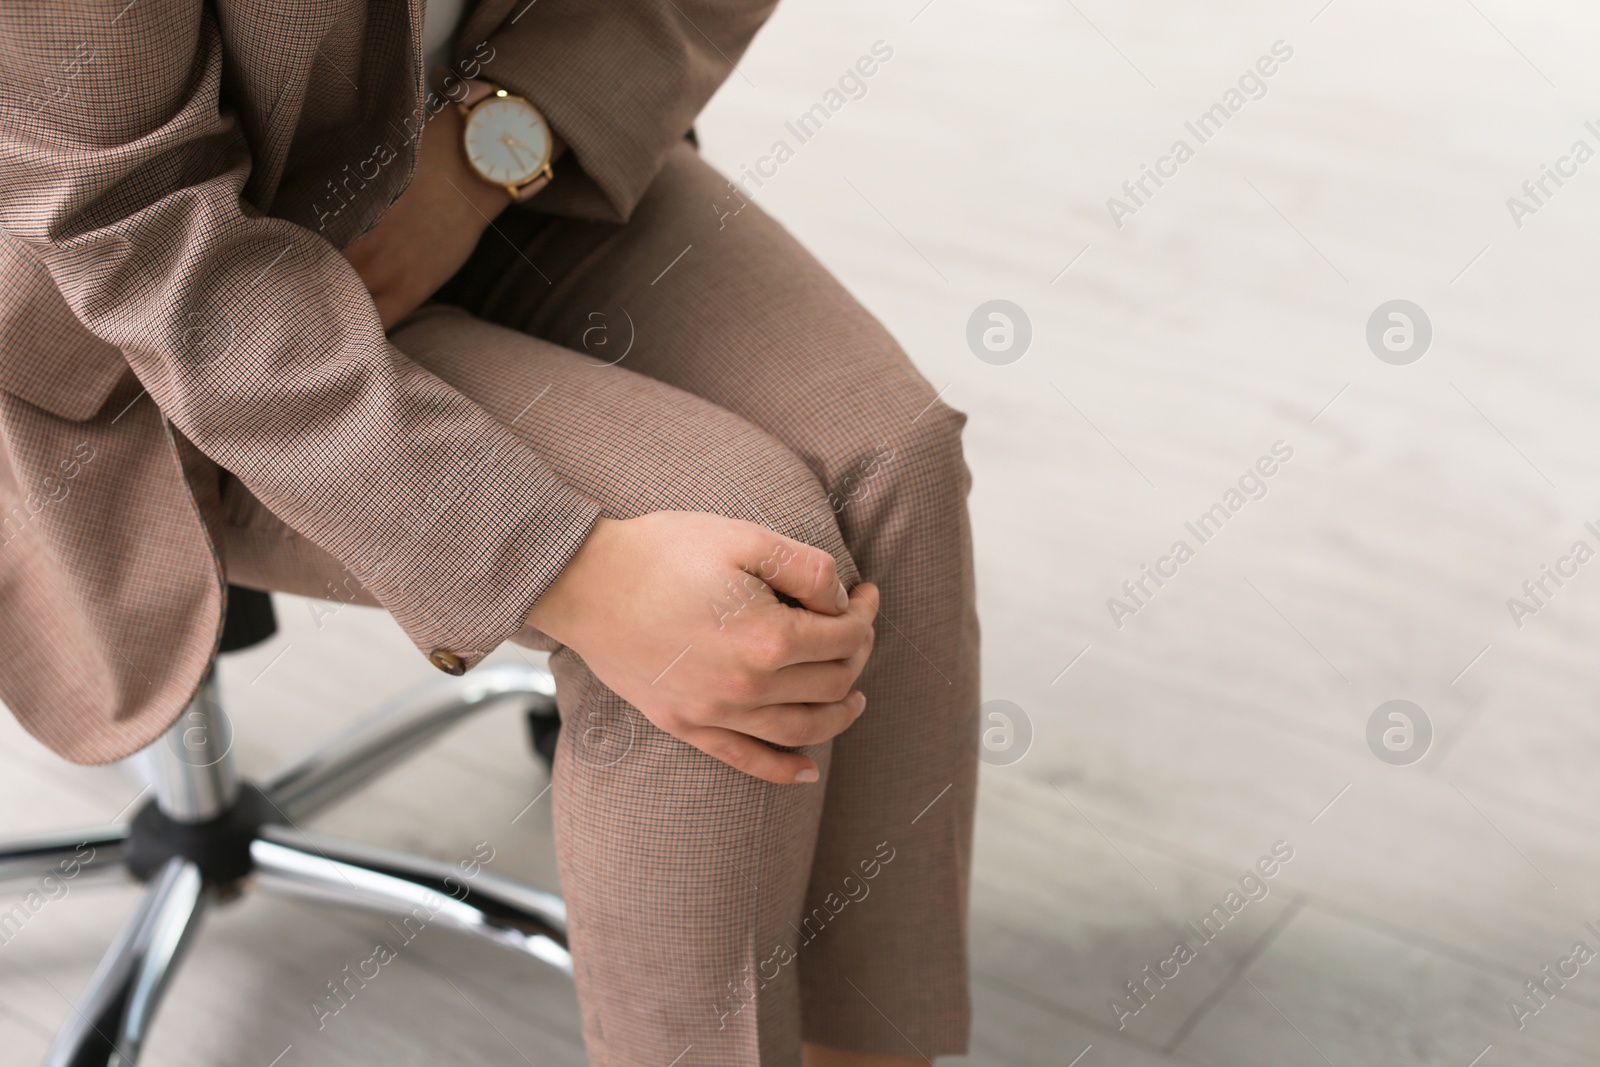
(843, 598)
(859, 699)
(807, 775)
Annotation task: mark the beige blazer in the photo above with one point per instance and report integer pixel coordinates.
(176, 178)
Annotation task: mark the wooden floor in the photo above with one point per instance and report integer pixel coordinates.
(1226, 716)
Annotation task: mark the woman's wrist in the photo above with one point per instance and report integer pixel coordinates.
(553, 612)
(489, 198)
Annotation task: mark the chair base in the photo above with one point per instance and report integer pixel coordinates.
(237, 837)
(219, 848)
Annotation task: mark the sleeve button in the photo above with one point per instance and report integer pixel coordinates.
(447, 661)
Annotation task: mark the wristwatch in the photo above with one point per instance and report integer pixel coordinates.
(506, 139)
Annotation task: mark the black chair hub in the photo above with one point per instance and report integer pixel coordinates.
(219, 847)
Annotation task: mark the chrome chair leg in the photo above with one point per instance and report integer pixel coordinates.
(205, 834)
(73, 858)
(417, 891)
(396, 730)
(112, 1018)
(191, 769)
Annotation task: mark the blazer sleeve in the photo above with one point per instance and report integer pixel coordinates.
(254, 336)
(620, 82)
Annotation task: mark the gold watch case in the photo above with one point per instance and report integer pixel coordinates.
(506, 140)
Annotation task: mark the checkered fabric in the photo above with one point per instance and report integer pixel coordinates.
(194, 389)
(714, 916)
(176, 177)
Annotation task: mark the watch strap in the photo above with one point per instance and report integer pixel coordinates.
(477, 89)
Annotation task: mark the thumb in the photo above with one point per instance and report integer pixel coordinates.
(807, 574)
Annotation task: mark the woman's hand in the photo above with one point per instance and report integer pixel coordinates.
(675, 611)
(427, 234)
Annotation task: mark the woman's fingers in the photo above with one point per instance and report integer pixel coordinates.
(791, 725)
(807, 574)
(801, 724)
(794, 656)
(816, 683)
(744, 753)
(632, 603)
(815, 638)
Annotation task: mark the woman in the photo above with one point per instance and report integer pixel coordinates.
(323, 333)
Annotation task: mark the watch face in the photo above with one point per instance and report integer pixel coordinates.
(507, 140)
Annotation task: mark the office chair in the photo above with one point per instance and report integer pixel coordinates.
(206, 836)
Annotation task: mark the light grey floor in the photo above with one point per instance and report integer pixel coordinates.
(1230, 713)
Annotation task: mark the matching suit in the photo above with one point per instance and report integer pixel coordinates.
(195, 390)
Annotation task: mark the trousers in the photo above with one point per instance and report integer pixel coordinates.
(697, 358)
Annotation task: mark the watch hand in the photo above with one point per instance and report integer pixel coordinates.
(515, 146)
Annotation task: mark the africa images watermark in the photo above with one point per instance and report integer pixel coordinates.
(851, 85)
(857, 482)
(1253, 888)
(342, 989)
(754, 586)
(1537, 592)
(1252, 485)
(52, 490)
(743, 992)
(384, 153)
(1536, 191)
(59, 84)
(1553, 978)
(53, 885)
(1252, 85)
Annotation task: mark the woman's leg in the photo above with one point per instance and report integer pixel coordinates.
(695, 930)
(727, 306)
(676, 869)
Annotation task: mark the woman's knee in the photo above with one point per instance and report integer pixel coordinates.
(632, 443)
(742, 472)
(903, 472)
